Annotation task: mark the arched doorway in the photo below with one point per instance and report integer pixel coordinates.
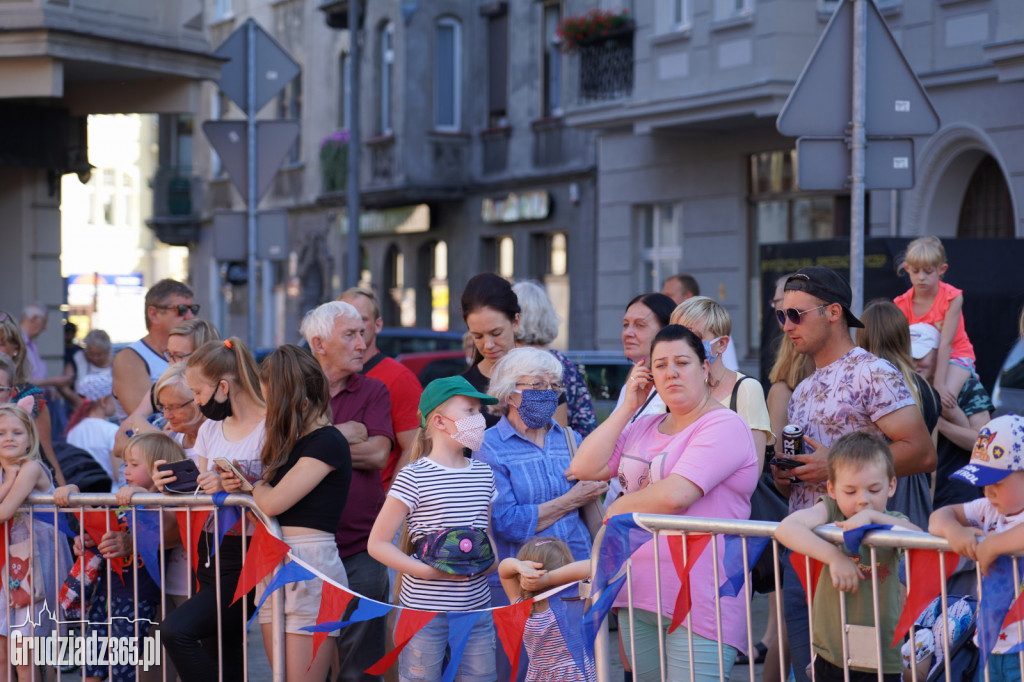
(987, 209)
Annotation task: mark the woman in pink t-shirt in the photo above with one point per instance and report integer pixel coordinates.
(696, 460)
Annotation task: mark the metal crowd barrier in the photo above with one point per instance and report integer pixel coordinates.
(661, 525)
(42, 507)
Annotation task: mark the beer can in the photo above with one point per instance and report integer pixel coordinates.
(792, 440)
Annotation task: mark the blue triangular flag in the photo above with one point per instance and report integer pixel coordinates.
(733, 562)
(291, 572)
(568, 614)
(996, 598)
(145, 527)
(227, 517)
(852, 538)
(460, 626)
(366, 609)
(598, 611)
(622, 537)
(62, 522)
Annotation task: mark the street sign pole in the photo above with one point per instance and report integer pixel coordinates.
(253, 198)
(858, 146)
(354, 143)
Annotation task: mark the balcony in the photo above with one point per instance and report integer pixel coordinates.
(175, 218)
(606, 68)
(494, 144)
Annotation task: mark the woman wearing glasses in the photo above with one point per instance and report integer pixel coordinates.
(528, 452)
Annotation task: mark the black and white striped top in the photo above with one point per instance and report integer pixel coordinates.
(438, 498)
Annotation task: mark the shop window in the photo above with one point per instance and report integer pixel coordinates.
(439, 292)
(550, 257)
(499, 256)
(659, 234)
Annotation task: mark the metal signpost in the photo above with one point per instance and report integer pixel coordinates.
(854, 108)
(256, 70)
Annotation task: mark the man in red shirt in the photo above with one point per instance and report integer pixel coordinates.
(402, 384)
(361, 410)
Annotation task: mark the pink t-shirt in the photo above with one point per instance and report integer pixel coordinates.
(936, 316)
(715, 453)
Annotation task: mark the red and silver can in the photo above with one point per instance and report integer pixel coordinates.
(792, 440)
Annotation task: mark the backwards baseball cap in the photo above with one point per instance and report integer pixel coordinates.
(826, 284)
(923, 338)
(998, 452)
(440, 390)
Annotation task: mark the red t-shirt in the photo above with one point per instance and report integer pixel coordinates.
(366, 401)
(405, 392)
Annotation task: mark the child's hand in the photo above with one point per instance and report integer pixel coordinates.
(61, 494)
(162, 478)
(81, 542)
(531, 576)
(948, 399)
(861, 518)
(210, 482)
(985, 554)
(428, 572)
(124, 495)
(964, 541)
(114, 543)
(845, 575)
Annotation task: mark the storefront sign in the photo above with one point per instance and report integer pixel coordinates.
(398, 220)
(514, 208)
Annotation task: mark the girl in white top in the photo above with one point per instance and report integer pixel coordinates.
(441, 489)
(90, 428)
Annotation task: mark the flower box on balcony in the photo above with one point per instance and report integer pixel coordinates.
(594, 28)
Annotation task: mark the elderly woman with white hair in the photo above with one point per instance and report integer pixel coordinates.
(538, 327)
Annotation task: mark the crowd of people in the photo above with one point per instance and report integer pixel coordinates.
(375, 478)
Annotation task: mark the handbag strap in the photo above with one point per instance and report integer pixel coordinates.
(570, 440)
(736, 391)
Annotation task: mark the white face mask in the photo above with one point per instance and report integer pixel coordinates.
(469, 431)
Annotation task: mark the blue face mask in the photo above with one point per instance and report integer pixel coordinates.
(707, 349)
(536, 408)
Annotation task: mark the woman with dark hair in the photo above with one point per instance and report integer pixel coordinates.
(307, 467)
(225, 386)
(697, 459)
(490, 310)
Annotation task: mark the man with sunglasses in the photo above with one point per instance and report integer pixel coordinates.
(137, 367)
(850, 390)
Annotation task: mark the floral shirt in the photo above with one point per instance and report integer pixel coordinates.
(851, 394)
(582, 418)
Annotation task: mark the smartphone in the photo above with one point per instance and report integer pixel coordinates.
(186, 472)
(224, 464)
(785, 463)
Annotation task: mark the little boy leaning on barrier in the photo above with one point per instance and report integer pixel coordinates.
(861, 479)
(986, 528)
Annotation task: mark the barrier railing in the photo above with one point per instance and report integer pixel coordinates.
(40, 509)
(746, 533)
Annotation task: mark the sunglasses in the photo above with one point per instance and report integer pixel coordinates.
(795, 315)
(181, 308)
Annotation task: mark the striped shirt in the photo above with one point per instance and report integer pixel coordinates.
(550, 660)
(438, 498)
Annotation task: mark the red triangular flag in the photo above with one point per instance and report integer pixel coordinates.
(96, 526)
(925, 585)
(410, 621)
(695, 545)
(4, 534)
(798, 561)
(264, 554)
(509, 622)
(191, 541)
(333, 602)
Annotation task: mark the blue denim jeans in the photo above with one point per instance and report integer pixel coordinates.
(798, 630)
(423, 659)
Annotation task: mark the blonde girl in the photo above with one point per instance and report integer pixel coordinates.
(31, 546)
(439, 490)
(540, 564)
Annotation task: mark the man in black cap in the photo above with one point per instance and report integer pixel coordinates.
(850, 390)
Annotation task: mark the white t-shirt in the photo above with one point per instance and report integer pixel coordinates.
(95, 436)
(211, 443)
(981, 514)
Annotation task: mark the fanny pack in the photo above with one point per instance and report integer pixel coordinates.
(457, 551)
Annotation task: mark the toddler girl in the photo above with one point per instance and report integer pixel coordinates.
(540, 564)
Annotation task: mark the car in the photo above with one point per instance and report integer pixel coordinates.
(434, 364)
(605, 372)
(1008, 393)
(395, 341)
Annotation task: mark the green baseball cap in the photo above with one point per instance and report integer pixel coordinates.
(440, 390)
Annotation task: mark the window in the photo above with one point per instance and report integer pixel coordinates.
(551, 88)
(387, 75)
(439, 288)
(222, 10)
(729, 9)
(671, 16)
(217, 107)
(659, 231)
(343, 94)
(447, 74)
(550, 266)
(497, 70)
(289, 106)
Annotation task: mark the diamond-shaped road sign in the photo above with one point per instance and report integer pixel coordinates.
(273, 140)
(821, 101)
(274, 67)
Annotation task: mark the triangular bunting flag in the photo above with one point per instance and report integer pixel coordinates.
(190, 532)
(799, 563)
(4, 541)
(367, 609)
(333, 602)
(227, 517)
(60, 519)
(695, 545)
(598, 611)
(145, 527)
(622, 537)
(410, 621)
(925, 585)
(460, 626)
(996, 597)
(733, 562)
(853, 537)
(291, 572)
(509, 622)
(96, 524)
(568, 614)
(264, 553)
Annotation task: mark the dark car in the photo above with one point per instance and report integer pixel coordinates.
(395, 341)
(605, 372)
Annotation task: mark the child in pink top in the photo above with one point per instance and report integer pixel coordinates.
(939, 304)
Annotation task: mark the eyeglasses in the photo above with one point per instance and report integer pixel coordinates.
(175, 357)
(6, 388)
(540, 386)
(794, 315)
(181, 308)
(174, 408)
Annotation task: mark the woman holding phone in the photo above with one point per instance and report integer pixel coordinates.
(225, 385)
